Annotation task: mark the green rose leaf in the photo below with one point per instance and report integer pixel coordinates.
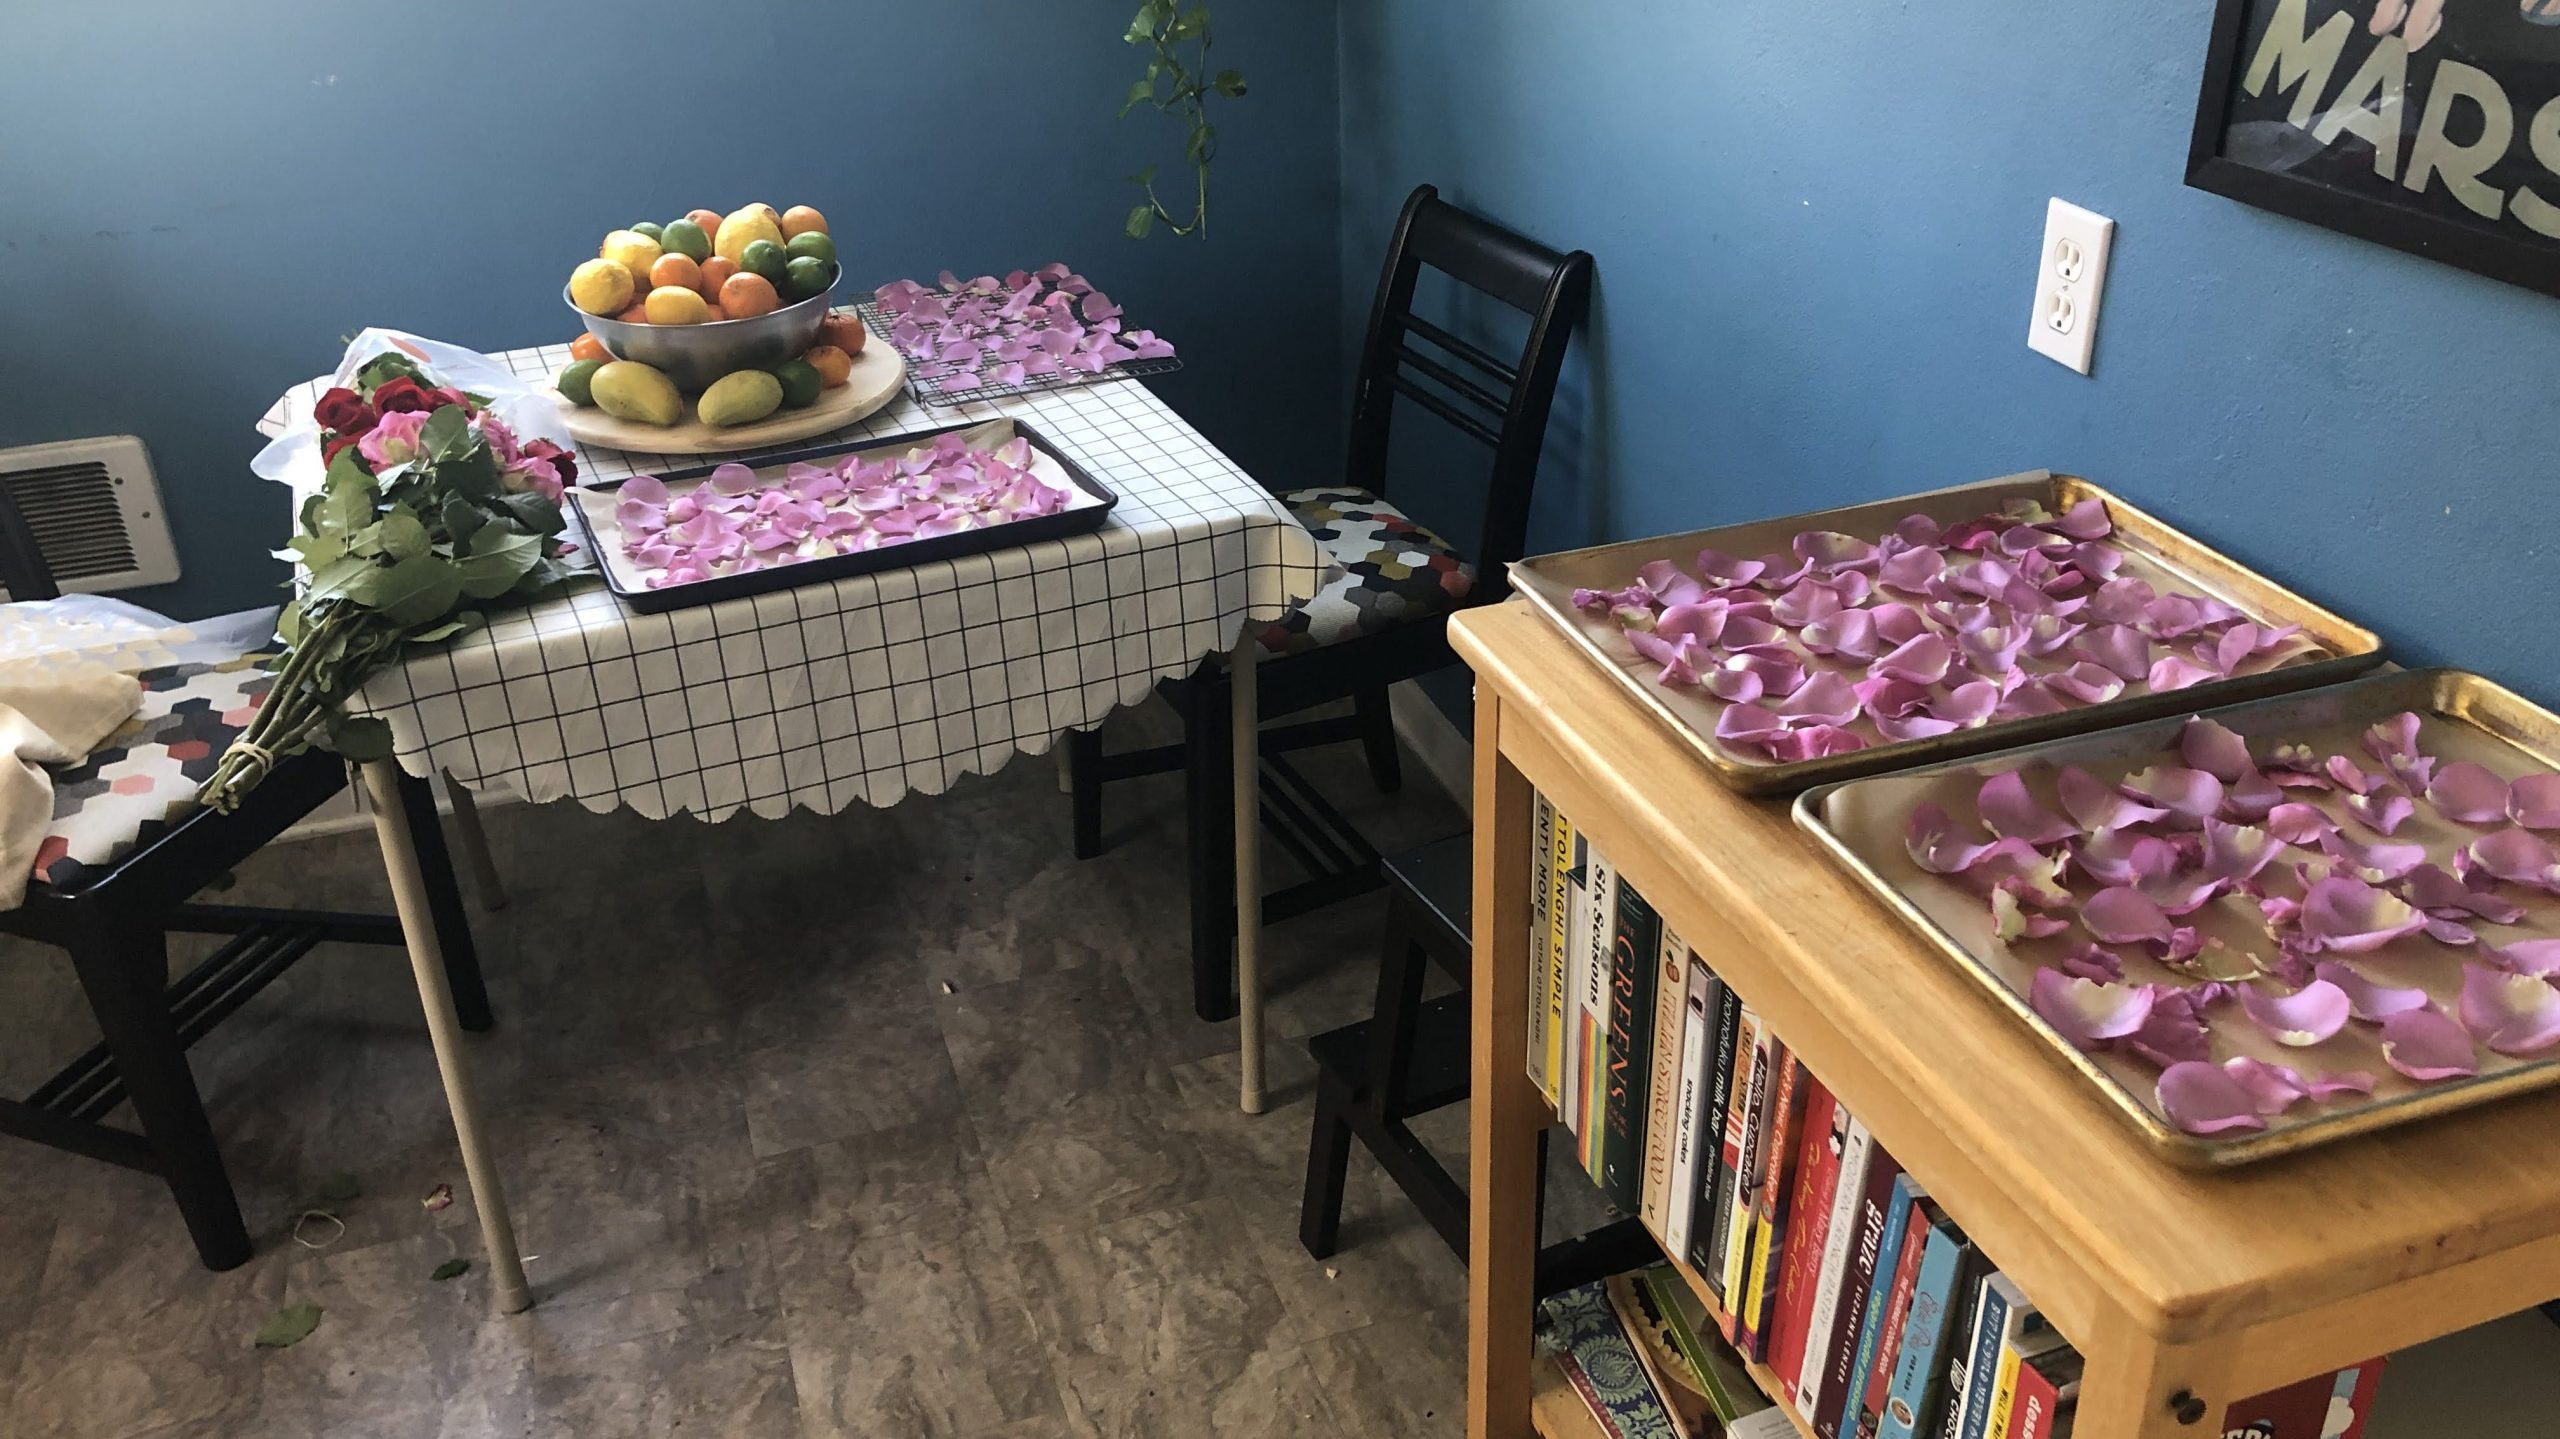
(497, 559)
(447, 434)
(347, 471)
(403, 537)
(350, 577)
(450, 1269)
(434, 633)
(535, 513)
(462, 519)
(474, 473)
(288, 1326)
(416, 591)
(359, 741)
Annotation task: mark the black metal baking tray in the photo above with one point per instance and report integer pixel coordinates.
(603, 534)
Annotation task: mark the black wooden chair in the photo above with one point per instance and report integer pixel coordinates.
(1383, 614)
(129, 850)
(1411, 1057)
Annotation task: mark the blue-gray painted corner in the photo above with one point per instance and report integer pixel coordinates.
(199, 205)
(1817, 228)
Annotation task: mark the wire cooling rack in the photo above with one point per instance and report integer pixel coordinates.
(931, 393)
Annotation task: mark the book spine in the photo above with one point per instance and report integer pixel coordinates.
(2004, 1391)
(1839, 1253)
(1634, 969)
(1559, 924)
(1917, 1225)
(2024, 1335)
(1599, 942)
(1670, 1025)
(1808, 1232)
(1748, 1083)
(1919, 1370)
(1541, 863)
(1772, 1189)
(1871, 1270)
(1982, 1360)
(1576, 858)
(1699, 1001)
(2031, 1411)
(1715, 1162)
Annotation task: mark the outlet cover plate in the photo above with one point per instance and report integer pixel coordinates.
(2071, 279)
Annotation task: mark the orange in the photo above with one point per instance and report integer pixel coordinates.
(844, 332)
(713, 312)
(834, 366)
(800, 220)
(677, 270)
(715, 273)
(588, 347)
(744, 297)
(638, 314)
(709, 220)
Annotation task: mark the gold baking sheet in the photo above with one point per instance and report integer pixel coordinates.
(2462, 716)
(2154, 551)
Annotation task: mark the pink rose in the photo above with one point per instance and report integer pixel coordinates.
(532, 473)
(393, 440)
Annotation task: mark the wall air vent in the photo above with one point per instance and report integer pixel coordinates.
(95, 511)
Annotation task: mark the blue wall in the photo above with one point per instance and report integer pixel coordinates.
(1817, 228)
(195, 208)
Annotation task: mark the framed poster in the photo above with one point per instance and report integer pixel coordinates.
(2432, 126)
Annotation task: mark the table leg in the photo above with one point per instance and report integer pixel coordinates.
(1247, 727)
(1506, 1114)
(435, 996)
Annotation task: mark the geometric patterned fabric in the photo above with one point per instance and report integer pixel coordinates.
(142, 781)
(1385, 570)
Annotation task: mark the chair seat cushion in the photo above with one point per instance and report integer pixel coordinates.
(1385, 570)
(142, 781)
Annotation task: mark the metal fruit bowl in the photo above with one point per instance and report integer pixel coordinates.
(695, 355)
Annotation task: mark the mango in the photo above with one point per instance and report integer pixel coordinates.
(743, 228)
(739, 399)
(629, 390)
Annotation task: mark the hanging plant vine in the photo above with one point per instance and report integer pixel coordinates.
(1180, 87)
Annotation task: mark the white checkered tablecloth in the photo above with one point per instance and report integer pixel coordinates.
(867, 688)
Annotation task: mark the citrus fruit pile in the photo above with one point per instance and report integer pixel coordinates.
(706, 268)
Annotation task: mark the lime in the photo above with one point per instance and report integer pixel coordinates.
(800, 383)
(764, 257)
(650, 228)
(577, 383)
(809, 276)
(683, 237)
(813, 244)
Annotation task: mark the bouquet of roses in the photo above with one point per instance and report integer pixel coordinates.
(428, 509)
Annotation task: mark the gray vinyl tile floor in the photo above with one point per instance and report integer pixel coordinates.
(890, 1123)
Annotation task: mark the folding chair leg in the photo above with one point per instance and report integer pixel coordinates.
(475, 845)
(1084, 786)
(444, 904)
(1328, 1166)
(1209, 818)
(1378, 738)
(124, 969)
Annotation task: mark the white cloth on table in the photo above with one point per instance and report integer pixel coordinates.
(53, 720)
(869, 688)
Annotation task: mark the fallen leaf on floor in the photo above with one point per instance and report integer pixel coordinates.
(288, 1326)
(338, 1189)
(440, 1197)
(450, 1269)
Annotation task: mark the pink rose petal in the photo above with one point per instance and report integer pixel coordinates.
(2175, 672)
(2273, 1088)
(2348, 916)
(2534, 801)
(2097, 806)
(2373, 863)
(2366, 1000)
(2085, 1012)
(2426, 1046)
(2206, 745)
(2468, 792)
(2537, 957)
(1823, 699)
(1725, 569)
(2011, 923)
(2007, 809)
(2237, 851)
(2514, 1014)
(2439, 893)
(2121, 857)
(2091, 961)
(2203, 1098)
(2305, 1017)
(2384, 808)
(2300, 824)
(2189, 792)
(2517, 856)
(2118, 915)
(2336, 1083)
(1923, 661)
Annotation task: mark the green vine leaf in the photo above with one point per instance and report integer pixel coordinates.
(288, 1326)
(450, 1269)
(1178, 84)
(1230, 83)
(1141, 220)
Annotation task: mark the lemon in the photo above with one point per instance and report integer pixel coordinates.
(601, 287)
(677, 305)
(743, 228)
(629, 390)
(633, 251)
(577, 383)
(683, 237)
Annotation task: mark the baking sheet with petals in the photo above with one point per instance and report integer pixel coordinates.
(1862, 823)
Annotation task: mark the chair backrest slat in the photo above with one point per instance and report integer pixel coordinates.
(1550, 288)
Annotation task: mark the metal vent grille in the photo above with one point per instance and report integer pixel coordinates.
(77, 521)
(94, 508)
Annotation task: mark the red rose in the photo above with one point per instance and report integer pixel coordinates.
(447, 396)
(329, 451)
(561, 460)
(344, 411)
(402, 395)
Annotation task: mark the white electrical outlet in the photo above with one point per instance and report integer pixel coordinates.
(2071, 276)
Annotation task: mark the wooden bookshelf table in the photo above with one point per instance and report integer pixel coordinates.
(2185, 1291)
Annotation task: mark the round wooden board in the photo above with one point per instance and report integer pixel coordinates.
(879, 372)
